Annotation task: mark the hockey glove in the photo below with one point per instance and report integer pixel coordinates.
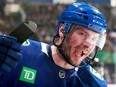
(9, 53)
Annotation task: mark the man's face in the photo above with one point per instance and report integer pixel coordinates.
(79, 43)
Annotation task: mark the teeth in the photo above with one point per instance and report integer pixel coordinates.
(84, 52)
(80, 53)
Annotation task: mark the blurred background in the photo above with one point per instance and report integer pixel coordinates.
(45, 14)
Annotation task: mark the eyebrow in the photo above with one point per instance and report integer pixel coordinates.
(82, 29)
(79, 27)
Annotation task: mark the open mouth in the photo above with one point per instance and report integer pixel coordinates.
(79, 53)
(82, 53)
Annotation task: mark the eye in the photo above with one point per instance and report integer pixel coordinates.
(95, 39)
(82, 34)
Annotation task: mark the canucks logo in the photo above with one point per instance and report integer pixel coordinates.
(26, 43)
(95, 73)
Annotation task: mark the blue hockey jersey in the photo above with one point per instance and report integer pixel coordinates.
(37, 69)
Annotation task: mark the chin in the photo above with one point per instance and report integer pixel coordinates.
(76, 63)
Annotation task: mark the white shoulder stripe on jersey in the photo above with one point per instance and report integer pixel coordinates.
(44, 48)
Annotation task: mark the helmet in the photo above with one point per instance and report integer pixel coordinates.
(84, 15)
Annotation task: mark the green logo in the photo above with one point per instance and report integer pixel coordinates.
(28, 75)
(26, 43)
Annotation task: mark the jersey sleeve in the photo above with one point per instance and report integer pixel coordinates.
(90, 77)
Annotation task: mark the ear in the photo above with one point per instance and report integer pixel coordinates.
(61, 29)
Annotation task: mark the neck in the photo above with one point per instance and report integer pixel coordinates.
(59, 60)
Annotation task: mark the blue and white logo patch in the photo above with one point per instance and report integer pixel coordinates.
(95, 73)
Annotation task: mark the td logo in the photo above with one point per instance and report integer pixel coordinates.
(28, 75)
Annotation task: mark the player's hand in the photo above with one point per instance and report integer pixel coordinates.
(9, 53)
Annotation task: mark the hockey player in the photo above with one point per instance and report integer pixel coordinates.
(79, 32)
